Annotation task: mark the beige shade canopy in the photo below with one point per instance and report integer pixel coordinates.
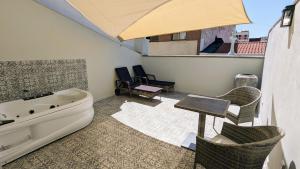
(130, 19)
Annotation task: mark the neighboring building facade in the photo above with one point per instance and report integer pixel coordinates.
(254, 46)
(188, 43)
(207, 41)
(243, 36)
(208, 36)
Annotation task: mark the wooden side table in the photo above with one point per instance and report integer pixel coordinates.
(148, 91)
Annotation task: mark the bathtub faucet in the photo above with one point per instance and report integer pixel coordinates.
(27, 95)
(38, 95)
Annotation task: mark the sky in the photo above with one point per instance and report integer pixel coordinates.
(263, 14)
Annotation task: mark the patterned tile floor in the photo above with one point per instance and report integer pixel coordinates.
(108, 143)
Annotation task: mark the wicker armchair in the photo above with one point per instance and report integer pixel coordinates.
(246, 98)
(250, 147)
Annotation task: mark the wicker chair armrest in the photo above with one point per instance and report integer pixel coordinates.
(249, 109)
(242, 134)
(227, 156)
(253, 103)
(221, 96)
(227, 96)
(234, 95)
(151, 76)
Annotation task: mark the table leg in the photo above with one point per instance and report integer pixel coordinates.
(201, 124)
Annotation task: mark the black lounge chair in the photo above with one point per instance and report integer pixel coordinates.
(150, 79)
(125, 82)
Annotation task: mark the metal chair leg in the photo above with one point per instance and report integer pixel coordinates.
(195, 161)
(214, 122)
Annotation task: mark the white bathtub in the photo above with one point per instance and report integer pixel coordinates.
(74, 110)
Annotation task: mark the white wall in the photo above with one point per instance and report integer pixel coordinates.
(281, 89)
(173, 48)
(206, 75)
(31, 31)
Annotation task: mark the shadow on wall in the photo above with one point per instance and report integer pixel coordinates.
(292, 165)
(276, 157)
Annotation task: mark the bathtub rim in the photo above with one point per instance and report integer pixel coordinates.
(9, 156)
(87, 98)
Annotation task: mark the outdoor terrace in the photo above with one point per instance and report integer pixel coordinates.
(132, 132)
(127, 132)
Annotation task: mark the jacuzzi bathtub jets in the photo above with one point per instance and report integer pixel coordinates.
(53, 117)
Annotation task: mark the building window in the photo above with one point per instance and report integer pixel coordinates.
(179, 36)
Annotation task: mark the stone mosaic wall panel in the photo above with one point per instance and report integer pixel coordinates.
(40, 76)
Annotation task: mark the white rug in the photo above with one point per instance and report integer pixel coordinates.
(164, 122)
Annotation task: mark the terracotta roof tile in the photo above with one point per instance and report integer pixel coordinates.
(251, 47)
(255, 47)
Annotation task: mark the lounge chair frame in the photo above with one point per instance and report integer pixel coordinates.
(128, 84)
(150, 79)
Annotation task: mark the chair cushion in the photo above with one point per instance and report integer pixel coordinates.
(222, 140)
(234, 109)
(161, 83)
